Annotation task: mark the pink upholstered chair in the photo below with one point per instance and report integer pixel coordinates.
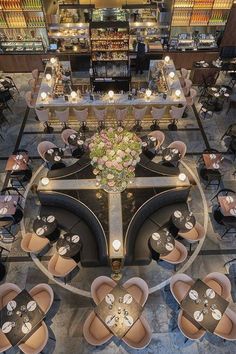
(100, 287)
(184, 73)
(157, 115)
(226, 328)
(4, 343)
(139, 335)
(195, 234)
(43, 115)
(33, 86)
(65, 134)
(36, 342)
(8, 292)
(63, 117)
(82, 117)
(43, 295)
(190, 329)
(30, 101)
(182, 81)
(139, 114)
(138, 288)
(61, 267)
(180, 284)
(220, 283)
(121, 115)
(94, 331)
(160, 137)
(178, 255)
(43, 147)
(100, 115)
(190, 99)
(182, 148)
(33, 243)
(176, 113)
(35, 74)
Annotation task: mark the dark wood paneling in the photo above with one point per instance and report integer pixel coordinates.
(229, 39)
(186, 59)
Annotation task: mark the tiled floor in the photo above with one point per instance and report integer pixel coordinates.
(66, 318)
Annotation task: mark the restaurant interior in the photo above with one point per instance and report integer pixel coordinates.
(117, 176)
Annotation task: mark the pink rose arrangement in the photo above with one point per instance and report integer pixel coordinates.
(114, 154)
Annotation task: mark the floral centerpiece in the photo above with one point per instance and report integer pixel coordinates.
(114, 154)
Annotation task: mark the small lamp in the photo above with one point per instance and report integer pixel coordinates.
(111, 95)
(45, 181)
(116, 245)
(48, 77)
(148, 94)
(53, 61)
(73, 95)
(43, 96)
(178, 93)
(182, 177)
(167, 59)
(172, 75)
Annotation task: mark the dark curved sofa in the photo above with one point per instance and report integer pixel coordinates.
(75, 216)
(158, 167)
(67, 171)
(152, 215)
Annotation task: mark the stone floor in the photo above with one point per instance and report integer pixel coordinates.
(66, 317)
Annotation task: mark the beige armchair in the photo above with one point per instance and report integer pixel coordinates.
(219, 283)
(138, 288)
(33, 243)
(178, 255)
(8, 292)
(4, 342)
(100, 287)
(36, 342)
(43, 295)
(180, 284)
(226, 328)
(94, 331)
(195, 234)
(190, 328)
(139, 335)
(61, 267)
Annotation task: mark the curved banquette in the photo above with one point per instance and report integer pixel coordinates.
(158, 167)
(67, 171)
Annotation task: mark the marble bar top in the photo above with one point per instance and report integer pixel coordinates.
(119, 99)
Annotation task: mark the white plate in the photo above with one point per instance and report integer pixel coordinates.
(233, 212)
(50, 151)
(229, 199)
(109, 299)
(80, 142)
(75, 238)
(216, 166)
(212, 156)
(15, 167)
(7, 198)
(198, 316)
(168, 158)
(189, 225)
(152, 138)
(156, 236)
(216, 94)
(210, 293)
(144, 144)
(73, 136)
(11, 305)
(214, 89)
(40, 231)
(62, 250)
(6, 327)
(26, 328)
(127, 299)
(226, 94)
(57, 158)
(19, 157)
(193, 294)
(3, 210)
(110, 320)
(216, 314)
(169, 246)
(50, 218)
(128, 321)
(31, 306)
(177, 214)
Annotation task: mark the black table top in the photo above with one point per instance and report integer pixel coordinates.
(148, 142)
(69, 245)
(218, 92)
(21, 317)
(162, 242)
(54, 155)
(183, 220)
(44, 225)
(75, 140)
(170, 155)
(119, 311)
(204, 305)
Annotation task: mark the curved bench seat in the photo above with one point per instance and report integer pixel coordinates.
(73, 215)
(158, 167)
(66, 171)
(153, 214)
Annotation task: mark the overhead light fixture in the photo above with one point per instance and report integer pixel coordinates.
(43, 95)
(116, 245)
(73, 95)
(148, 94)
(53, 61)
(182, 177)
(45, 181)
(172, 75)
(48, 77)
(178, 93)
(167, 59)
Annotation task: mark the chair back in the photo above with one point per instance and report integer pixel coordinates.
(184, 73)
(42, 114)
(32, 84)
(182, 81)
(177, 112)
(81, 114)
(186, 90)
(28, 99)
(35, 74)
(160, 136)
(66, 134)
(180, 146)
(121, 114)
(43, 147)
(100, 114)
(63, 116)
(188, 83)
(139, 113)
(158, 113)
(191, 97)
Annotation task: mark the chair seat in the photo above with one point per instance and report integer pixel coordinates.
(36, 341)
(180, 289)
(8, 297)
(215, 286)
(225, 326)
(188, 325)
(43, 300)
(136, 292)
(99, 330)
(35, 244)
(4, 342)
(103, 290)
(174, 255)
(136, 333)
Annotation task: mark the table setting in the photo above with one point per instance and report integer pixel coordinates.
(69, 246)
(227, 205)
(44, 226)
(18, 162)
(8, 204)
(162, 242)
(170, 155)
(183, 220)
(54, 155)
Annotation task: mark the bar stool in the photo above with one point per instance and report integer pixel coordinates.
(184, 73)
(63, 117)
(30, 101)
(82, 117)
(176, 113)
(190, 101)
(157, 114)
(100, 115)
(187, 87)
(35, 74)
(121, 114)
(43, 116)
(139, 114)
